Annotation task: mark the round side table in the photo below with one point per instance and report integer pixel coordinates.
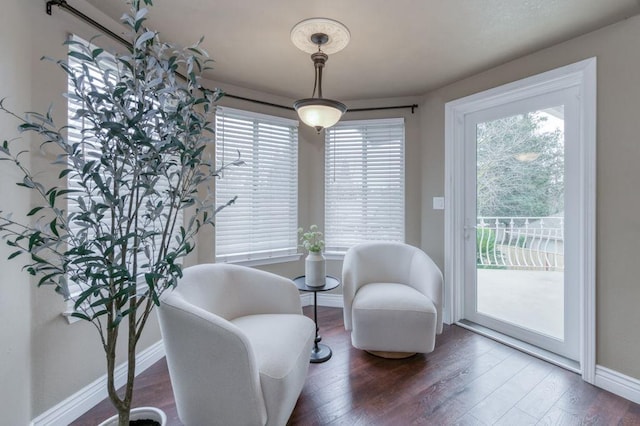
(320, 352)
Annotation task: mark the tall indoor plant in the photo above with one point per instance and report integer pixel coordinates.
(139, 168)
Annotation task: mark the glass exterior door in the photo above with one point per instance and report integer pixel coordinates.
(518, 203)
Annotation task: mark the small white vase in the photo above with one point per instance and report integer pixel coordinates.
(315, 271)
(140, 413)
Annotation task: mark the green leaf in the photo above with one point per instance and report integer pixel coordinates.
(46, 278)
(144, 37)
(27, 182)
(64, 173)
(141, 13)
(80, 56)
(54, 228)
(80, 315)
(119, 91)
(139, 19)
(100, 313)
(34, 239)
(83, 296)
(67, 191)
(112, 125)
(34, 211)
(96, 52)
(14, 254)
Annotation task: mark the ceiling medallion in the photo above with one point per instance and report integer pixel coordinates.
(338, 35)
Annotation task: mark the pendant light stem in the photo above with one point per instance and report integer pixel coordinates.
(315, 84)
(319, 73)
(319, 58)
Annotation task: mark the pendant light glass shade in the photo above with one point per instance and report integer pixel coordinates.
(319, 113)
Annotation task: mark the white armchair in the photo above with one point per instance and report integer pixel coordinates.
(392, 299)
(237, 345)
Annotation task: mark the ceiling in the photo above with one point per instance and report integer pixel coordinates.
(397, 47)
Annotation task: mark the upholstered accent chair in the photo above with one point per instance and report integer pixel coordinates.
(237, 345)
(392, 299)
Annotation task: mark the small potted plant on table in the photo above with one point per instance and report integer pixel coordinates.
(315, 264)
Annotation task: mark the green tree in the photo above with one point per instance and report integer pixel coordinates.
(519, 167)
(148, 131)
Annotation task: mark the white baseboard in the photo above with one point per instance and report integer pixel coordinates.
(618, 383)
(328, 300)
(86, 398)
(80, 402)
(610, 380)
(306, 299)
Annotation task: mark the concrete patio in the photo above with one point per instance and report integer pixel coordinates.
(531, 299)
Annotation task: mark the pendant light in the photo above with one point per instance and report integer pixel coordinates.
(319, 34)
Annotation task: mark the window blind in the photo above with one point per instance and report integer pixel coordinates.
(75, 135)
(364, 183)
(91, 149)
(262, 223)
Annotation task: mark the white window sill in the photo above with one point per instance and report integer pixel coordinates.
(265, 260)
(334, 256)
(67, 313)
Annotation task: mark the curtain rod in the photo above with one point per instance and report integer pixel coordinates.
(64, 5)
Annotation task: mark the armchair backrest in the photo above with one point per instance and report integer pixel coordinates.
(390, 262)
(378, 262)
(212, 365)
(213, 369)
(232, 291)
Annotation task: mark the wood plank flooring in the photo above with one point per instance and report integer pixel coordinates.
(467, 380)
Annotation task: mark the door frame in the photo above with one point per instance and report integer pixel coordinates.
(583, 76)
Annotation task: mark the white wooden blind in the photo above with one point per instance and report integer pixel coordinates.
(364, 183)
(92, 148)
(75, 131)
(263, 221)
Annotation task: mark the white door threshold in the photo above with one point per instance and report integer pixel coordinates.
(527, 348)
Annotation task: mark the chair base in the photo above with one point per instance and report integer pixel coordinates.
(391, 355)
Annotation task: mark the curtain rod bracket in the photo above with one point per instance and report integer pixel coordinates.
(51, 3)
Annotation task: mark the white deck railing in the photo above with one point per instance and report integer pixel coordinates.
(520, 243)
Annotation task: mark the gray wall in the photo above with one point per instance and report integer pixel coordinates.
(43, 360)
(618, 174)
(15, 291)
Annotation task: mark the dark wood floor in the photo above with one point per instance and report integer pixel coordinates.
(467, 380)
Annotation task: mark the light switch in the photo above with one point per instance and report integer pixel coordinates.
(438, 203)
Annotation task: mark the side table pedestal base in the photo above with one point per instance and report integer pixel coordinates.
(320, 353)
